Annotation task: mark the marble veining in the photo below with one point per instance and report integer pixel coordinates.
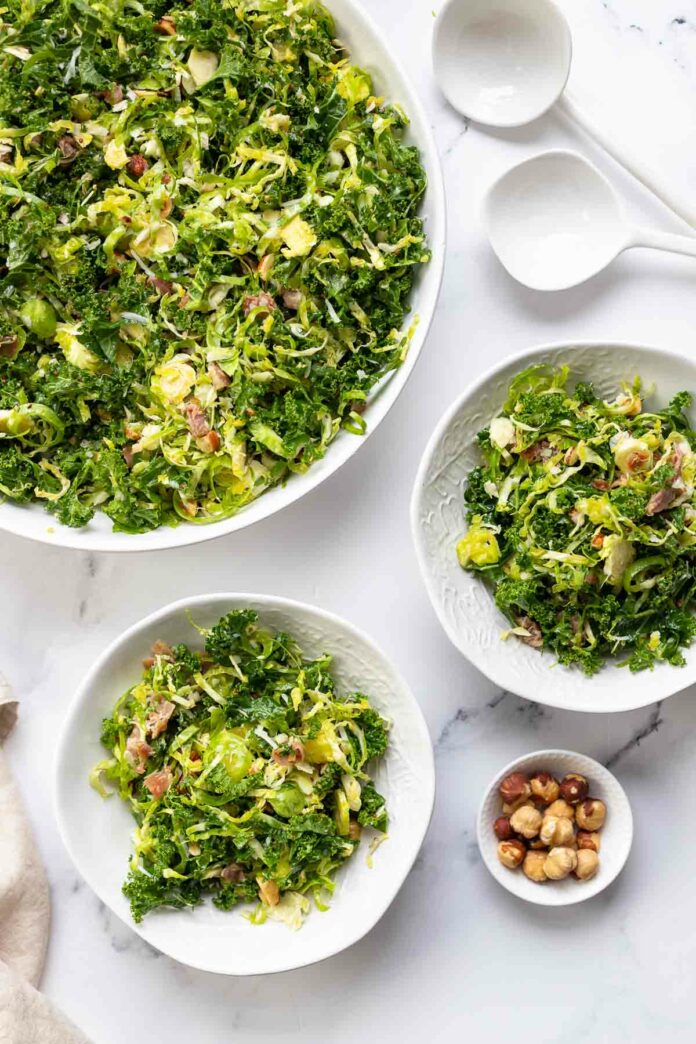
(455, 957)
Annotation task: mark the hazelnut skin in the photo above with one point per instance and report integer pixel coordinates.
(590, 814)
(587, 840)
(557, 831)
(588, 864)
(533, 866)
(514, 787)
(511, 853)
(526, 821)
(544, 787)
(560, 862)
(502, 829)
(560, 808)
(574, 788)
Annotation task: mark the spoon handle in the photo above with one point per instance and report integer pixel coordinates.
(669, 241)
(632, 163)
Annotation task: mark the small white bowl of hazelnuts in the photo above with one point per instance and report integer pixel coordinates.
(555, 827)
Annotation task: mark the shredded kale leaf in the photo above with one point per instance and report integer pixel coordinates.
(209, 232)
(247, 775)
(582, 518)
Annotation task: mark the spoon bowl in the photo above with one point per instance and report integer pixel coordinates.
(501, 62)
(555, 221)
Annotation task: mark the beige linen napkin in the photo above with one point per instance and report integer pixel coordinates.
(26, 1017)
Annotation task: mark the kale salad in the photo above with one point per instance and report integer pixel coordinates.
(208, 237)
(246, 772)
(582, 518)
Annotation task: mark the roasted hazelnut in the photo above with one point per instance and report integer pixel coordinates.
(574, 788)
(590, 815)
(514, 787)
(560, 862)
(556, 831)
(537, 843)
(560, 808)
(137, 165)
(511, 806)
(533, 866)
(511, 853)
(502, 829)
(544, 787)
(587, 865)
(526, 821)
(587, 840)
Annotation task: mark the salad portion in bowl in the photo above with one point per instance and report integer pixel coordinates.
(582, 517)
(212, 224)
(246, 772)
(554, 518)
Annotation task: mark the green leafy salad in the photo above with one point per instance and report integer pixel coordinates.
(245, 771)
(208, 237)
(583, 519)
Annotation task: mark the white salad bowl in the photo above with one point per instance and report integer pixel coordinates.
(370, 51)
(98, 832)
(616, 836)
(463, 602)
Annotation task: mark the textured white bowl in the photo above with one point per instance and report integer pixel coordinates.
(97, 833)
(368, 49)
(463, 602)
(615, 836)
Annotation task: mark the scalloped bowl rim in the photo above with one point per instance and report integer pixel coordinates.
(335, 933)
(665, 679)
(365, 38)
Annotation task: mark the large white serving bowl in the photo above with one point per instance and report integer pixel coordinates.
(369, 50)
(463, 602)
(98, 832)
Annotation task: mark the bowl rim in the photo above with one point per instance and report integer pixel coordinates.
(588, 765)
(523, 358)
(290, 605)
(54, 534)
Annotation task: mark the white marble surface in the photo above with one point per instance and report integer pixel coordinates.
(455, 954)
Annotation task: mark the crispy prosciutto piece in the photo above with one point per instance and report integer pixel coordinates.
(218, 376)
(534, 636)
(233, 872)
(661, 500)
(158, 718)
(68, 148)
(158, 782)
(165, 26)
(138, 750)
(9, 345)
(162, 286)
(207, 440)
(295, 755)
(159, 648)
(537, 451)
(196, 419)
(262, 300)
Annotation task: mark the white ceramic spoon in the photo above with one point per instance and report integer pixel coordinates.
(555, 221)
(506, 62)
